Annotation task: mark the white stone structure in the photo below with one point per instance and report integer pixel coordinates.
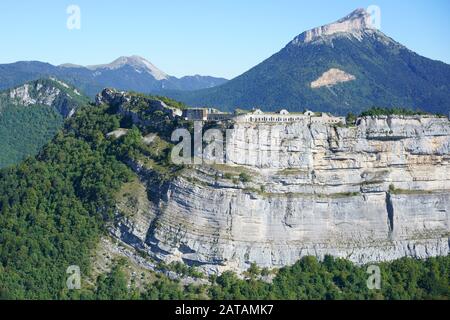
(206, 114)
(283, 115)
(257, 115)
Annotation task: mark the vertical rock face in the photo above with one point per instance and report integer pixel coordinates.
(22, 95)
(375, 192)
(47, 92)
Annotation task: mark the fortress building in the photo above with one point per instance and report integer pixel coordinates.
(257, 115)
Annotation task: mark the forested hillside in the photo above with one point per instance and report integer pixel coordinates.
(54, 209)
(30, 116)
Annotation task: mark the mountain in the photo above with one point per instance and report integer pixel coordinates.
(340, 67)
(125, 73)
(31, 114)
(139, 227)
(139, 64)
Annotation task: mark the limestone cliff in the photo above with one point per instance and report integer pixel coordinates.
(374, 192)
(45, 92)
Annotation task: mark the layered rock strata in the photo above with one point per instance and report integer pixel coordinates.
(374, 192)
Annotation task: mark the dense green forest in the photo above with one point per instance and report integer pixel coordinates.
(25, 131)
(55, 207)
(308, 279)
(395, 111)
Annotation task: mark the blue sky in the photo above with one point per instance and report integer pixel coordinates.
(208, 37)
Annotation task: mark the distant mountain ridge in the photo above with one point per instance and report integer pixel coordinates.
(125, 73)
(138, 63)
(345, 66)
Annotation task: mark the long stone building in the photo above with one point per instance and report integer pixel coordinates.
(257, 115)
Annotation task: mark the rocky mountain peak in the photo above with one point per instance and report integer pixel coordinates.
(112, 97)
(361, 15)
(138, 63)
(356, 24)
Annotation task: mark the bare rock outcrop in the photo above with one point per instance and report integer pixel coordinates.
(331, 78)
